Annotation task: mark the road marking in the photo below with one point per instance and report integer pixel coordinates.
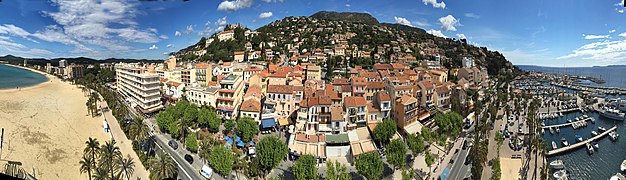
(181, 167)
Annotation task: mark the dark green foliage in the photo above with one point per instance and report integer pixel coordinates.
(247, 128)
(191, 142)
(353, 17)
(305, 168)
(270, 151)
(396, 153)
(385, 130)
(370, 165)
(222, 160)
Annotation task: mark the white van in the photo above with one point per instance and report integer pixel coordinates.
(206, 171)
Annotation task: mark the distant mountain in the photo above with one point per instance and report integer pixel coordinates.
(352, 17)
(55, 62)
(401, 27)
(362, 32)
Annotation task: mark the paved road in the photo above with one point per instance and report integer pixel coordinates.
(459, 169)
(186, 170)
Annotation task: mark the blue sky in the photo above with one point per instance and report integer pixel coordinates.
(540, 32)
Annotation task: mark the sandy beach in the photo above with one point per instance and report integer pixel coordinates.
(46, 126)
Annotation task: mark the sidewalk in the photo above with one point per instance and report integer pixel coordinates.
(125, 145)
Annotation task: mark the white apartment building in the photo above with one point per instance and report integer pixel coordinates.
(138, 86)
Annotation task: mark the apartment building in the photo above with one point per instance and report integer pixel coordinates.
(203, 74)
(139, 86)
(229, 96)
(356, 110)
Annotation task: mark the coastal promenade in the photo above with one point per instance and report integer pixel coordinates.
(566, 124)
(577, 145)
(125, 145)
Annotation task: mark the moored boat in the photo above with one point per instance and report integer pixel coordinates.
(622, 167)
(594, 133)
(560, 175)
(613, 114)
(564, 142)
(558, 164)
(579, 138)
(554, 145)
(590, 149)
(601, 129)
(595, 145)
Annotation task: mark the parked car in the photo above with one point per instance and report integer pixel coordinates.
(206, 171)
(188, 158)
(173, 144)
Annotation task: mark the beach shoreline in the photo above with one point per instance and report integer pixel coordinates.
(46, 75)
(46, 126)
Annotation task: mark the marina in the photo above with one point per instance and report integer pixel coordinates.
(568, 124)
(579, 144)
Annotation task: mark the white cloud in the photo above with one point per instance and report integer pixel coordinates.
(189, 29)
(436, 33)
(403, 21)
(265, 15)
(153, 47)
(620, 4)
(620, 11)
(461, 36)
(169, 45)
(234, 5)
(15, 31)
(166, 53)
(221, 21)
(39, 52)
(435, 4)
(178, 33)
(589, 36)
(348, 5)
(612, 31)
(109, 24)
(472, 15)
(605, 51)
(448, 23)
(421, 23)
(164, 36)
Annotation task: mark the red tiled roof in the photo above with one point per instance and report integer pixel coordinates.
(340, 81)
(383, 96)
(375, 85)
(358, 81)
(251, 105)
(354, 101)
(281, 89)
(202, 66)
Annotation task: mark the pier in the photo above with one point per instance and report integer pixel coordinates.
(566, 124)
(577, 145)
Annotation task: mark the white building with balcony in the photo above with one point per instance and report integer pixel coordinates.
(139, 86)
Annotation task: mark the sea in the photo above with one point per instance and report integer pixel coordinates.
(12, 77)
(615, 75)
(605, 162)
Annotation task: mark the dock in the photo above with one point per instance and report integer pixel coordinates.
(565, 124)
(569, 110)
(577, 145)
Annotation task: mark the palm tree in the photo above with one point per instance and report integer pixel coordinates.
(109, 153)
(93, 147)
(86, 165)
(100, 174)
(128, 166)
(138, 129)
(162, 167)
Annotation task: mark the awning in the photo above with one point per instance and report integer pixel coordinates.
(413, 128)
(268, 123)
(283, 122)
